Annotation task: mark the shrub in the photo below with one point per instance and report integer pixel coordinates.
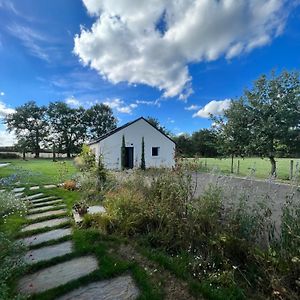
(86, 160)
(70, 185)
(9, 156)
(10, 205)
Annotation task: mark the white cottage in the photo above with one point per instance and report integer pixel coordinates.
(159, 148)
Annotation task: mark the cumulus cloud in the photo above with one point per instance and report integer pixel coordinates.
(192, 107)
(73, 101)
(7, 139)
(214, 107)
(120, 106)
(5, 110)
(152, 42)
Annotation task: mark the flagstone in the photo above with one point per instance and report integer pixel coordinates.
(19, 194)
(34, 196)
(33, 188)
(34, 205)
(17, 190)
(48, 252)
(43, 199)
(48, 207)
(46, 236)
(50, 186)
(46, 214)
(44, 224)
(120, 288)
(57, 275)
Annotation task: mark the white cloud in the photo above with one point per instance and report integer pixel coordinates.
(214, 107)
(6, 138)
(120, 106)
(2, 93)
(145, 102)
(73, 101)
(192, 107)
(5, 110)
(125, 43)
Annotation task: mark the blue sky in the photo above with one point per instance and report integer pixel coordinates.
(143, 58)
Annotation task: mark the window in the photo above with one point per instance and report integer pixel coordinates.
(155, 151)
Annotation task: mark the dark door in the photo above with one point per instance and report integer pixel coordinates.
(128, 157)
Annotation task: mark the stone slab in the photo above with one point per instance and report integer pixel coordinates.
(44, 224)
(2, 191)
(57, 275)
(43, 208)
(46, 203)
(19, 194)
(47, 253)
(96, 209)
(120, 288)
(46, 236)
(19, 189)
(46, 214)
(50, 186)
(43, 199)
(34, 188)
(33, 196)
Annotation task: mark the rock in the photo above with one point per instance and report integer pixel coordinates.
(44, 224)
(47, 253)
(46, 236)
(96, 209)
(120, 288)
(57, 275)
(46, 214)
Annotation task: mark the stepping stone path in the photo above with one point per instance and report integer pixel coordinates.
(120, 288)
(41, 206)
(49, 252)
(34, 188)
(44, 208)
(17, 190)
(44, 224)
(57, 275)
(46, 236)
(46, 214)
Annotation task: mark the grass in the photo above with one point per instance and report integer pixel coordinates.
(261, 166)
(38, 171)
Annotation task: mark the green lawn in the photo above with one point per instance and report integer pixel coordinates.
(260, 166)
(38, 171)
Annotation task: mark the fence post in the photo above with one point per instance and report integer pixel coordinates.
(205, 165)
(291, 169)
(238, 167)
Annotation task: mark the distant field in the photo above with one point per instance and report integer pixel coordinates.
(259, 167)
(38, 171)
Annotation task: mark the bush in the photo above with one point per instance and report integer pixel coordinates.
(70, 185)
(9, 156)
(10, 205)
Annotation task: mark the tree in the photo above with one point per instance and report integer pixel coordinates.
(68, 126)
(184, 145)
(29, 123)
(204, 143)
(123, 153)
(232, 131)
(143, 163)
(23, 146)
(99, 120)
(266, 118)
(156, 124)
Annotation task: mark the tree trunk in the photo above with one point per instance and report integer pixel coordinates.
(53, 153)
(273, 166)
(231, 163)
(37, 153)
(68, 154)
(24, 154)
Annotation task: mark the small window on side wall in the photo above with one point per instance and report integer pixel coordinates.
(155, 151)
